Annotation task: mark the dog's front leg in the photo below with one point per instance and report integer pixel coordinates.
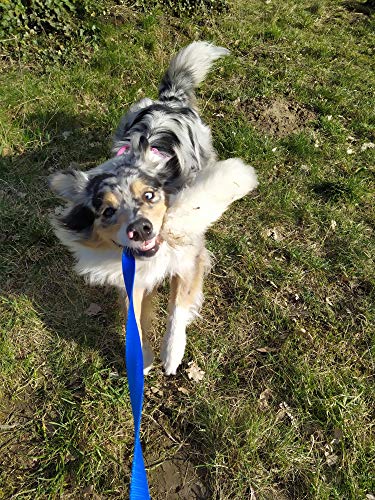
(142, 303)
(185, 300)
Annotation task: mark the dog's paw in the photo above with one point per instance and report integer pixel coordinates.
(171, 359)
(170, 368)
(174, 341)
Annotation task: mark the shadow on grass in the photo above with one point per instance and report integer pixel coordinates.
(63, 357)
(35, 263)
(333, 191)
(367, 7)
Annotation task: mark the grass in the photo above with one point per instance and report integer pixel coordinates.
(285, 409)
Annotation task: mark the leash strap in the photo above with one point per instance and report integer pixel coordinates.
(134, 369)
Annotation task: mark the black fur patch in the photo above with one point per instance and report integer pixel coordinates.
(191, 137)
(79, 218)
(93, 187)
(94, 184)
(165, 141)
(170, 177)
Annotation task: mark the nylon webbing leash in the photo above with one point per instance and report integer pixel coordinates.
(134, 369)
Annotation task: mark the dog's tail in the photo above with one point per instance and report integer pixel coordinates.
(186, 70)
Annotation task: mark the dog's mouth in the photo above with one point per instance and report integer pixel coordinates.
(147, 248)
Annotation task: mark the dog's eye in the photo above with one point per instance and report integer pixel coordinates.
(108, 212)
(148, 195)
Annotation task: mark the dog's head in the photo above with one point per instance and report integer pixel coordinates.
(122, 203)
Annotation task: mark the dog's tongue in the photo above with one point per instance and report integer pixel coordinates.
(147, 245)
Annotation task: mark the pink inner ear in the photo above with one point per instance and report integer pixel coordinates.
(125, 148)
(122, 150)
(160, 153)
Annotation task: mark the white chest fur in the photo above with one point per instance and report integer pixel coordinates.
(102, 267)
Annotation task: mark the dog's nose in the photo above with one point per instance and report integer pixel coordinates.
(140, 230)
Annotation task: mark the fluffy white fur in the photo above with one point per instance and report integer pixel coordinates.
(198, 206)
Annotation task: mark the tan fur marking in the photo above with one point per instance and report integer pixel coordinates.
(146, 315)
(110, 199)
(184, 290)
(155, 213)
(137, 188)
(102, 237)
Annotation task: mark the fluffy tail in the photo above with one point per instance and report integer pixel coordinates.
(186, 70)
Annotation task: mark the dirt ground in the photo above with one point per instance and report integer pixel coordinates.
(176, 478)
(278, 117)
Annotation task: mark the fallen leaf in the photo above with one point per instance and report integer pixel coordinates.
(183, 390)
(285, 409)
(264, 398)
(66, 134)
(194, 372)
(370, 496)
(156, 391)
(273, 233)
(337, 435)
(93, 309)
(367, 145)
(89, 492)
(280, 414)
(332, 459)
(267, 349)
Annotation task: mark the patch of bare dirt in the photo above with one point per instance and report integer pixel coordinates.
(278, 117)
(175, 477)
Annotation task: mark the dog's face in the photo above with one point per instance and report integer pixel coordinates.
(116, 206)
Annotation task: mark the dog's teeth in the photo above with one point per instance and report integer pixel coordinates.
(149, 244)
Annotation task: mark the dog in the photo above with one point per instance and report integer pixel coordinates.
(156, 197)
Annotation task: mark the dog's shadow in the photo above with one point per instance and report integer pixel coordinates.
(40, 268)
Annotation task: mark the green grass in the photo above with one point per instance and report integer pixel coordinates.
(285, 409)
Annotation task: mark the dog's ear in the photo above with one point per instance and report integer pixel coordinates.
(170, 177)
(140, 147)
(69, 184)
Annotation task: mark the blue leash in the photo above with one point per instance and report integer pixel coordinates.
(134, 369)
